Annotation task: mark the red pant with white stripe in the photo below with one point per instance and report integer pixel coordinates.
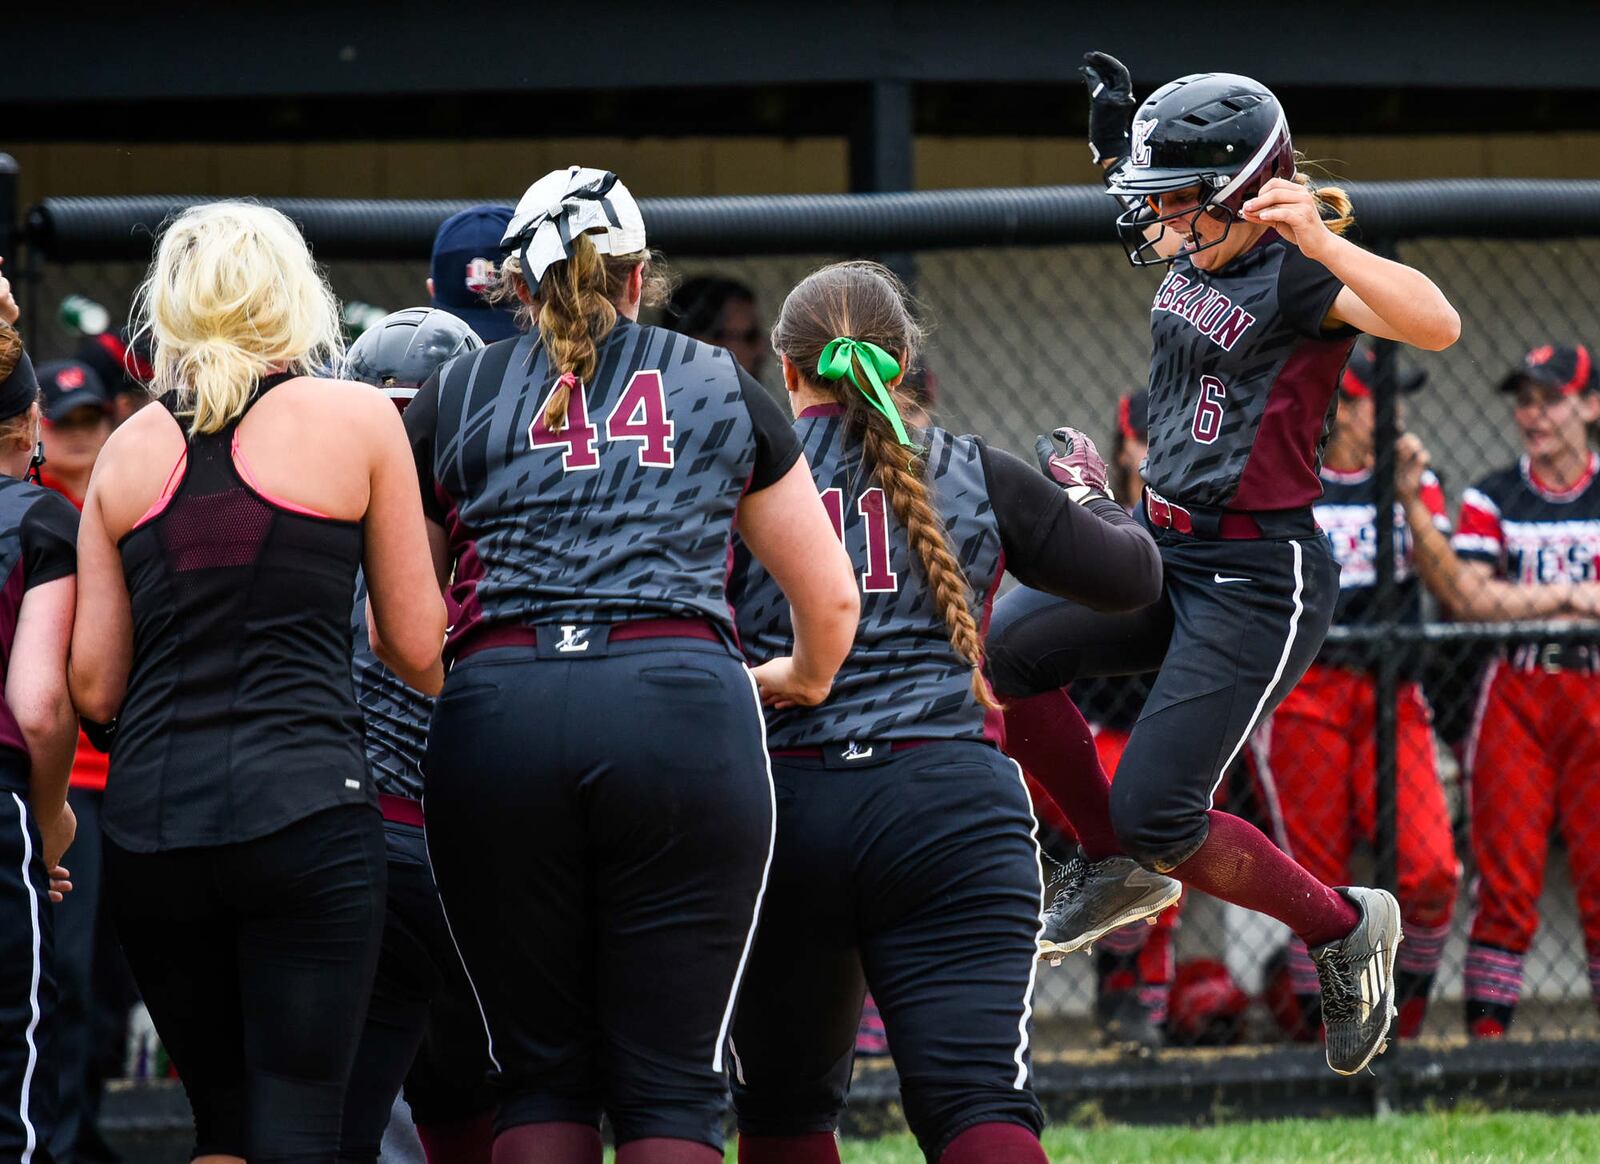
(1534, 762)
(1317, 766)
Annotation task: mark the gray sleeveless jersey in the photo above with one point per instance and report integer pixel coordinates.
(902, 679)
(624, 514)
(394, 718)
(1243, 380)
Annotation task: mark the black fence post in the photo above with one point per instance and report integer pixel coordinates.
(883, 154)
(1386, 599)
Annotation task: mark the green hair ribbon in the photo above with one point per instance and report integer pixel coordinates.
(839, 360)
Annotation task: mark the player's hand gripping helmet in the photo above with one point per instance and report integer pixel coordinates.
(1220, 132)
(400, 351)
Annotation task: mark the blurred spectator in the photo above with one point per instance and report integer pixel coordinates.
(1136, 965)
(921, 387)
(1315, 757)
(123, 367)
(77, 421)
(1526, 551)
(466, 253)
(722, 312)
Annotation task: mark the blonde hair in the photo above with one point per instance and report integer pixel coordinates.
(1333, 204)
(574, 308)
(233, 295)
(866, 302)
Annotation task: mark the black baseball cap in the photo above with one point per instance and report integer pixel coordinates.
(70, 384)
(1133, 416)
(1361, 373)
(466, 251)
(122, 366)
(1566, 367)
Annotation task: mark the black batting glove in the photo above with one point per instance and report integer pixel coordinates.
(1110, 106)
(1077, 466)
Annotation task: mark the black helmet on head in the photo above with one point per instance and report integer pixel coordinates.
(1220, 132)
(400, 351)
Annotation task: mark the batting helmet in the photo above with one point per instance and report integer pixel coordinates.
(1220, 132)
(400, 351)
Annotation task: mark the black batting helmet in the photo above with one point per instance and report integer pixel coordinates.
(1221, 132)
(400, 351)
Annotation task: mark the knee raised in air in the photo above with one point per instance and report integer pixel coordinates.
(1158, 837)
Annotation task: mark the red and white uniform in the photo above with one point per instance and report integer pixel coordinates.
(1534, 756)
(1314, 757)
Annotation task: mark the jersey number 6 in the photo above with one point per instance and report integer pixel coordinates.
(1208, 410)
(640, 415)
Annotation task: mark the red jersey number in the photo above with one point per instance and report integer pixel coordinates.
(1207, 425)
(873, 507)
(640, 414)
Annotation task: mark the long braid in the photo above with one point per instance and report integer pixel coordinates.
(575, 311)
(898, 471)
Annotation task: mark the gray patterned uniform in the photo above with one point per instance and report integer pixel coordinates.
(902, 678)
(394, 717)
(1242, 380)
(601, 530)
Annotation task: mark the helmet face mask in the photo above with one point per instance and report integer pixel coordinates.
(1224, 134)
(1142, 226)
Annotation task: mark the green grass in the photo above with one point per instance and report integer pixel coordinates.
(1504, 1138)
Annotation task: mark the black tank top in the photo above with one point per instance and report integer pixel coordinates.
(240, 717)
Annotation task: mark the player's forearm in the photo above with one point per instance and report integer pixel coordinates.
(1407, 301)
(52, 740)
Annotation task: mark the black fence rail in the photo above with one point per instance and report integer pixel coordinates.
(1444, 745)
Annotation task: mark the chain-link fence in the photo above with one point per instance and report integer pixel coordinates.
(1447, 743)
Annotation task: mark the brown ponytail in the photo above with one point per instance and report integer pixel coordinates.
(1332, 202)
(574, 308)
(866, 302)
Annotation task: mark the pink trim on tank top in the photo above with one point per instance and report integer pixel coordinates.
(243, 466)
(167, 491)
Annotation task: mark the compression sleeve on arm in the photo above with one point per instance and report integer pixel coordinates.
(1095, 554)
(777, 448)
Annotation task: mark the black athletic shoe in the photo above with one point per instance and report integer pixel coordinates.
(1357, 976)
(1097, 897)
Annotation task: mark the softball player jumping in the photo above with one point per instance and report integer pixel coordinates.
(1251, 327)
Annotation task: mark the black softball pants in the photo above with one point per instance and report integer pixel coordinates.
(600, 829)
(1237, 625)
(28, 1069)
(918, 878)
(256, 961)
(423, 1029)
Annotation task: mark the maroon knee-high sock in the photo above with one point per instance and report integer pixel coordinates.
(812, 1148)
(1047, 735)
(995, 1143)
(1239, 864)
(549, 1143)
(461, 1142)
(664, 1150)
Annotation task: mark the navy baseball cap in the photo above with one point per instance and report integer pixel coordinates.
(466, 251)
(67, 385)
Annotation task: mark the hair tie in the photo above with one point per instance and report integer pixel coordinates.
(839, 359)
